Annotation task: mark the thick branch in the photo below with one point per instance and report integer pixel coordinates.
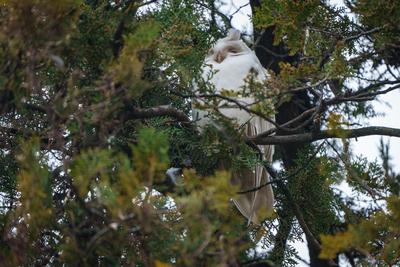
(314, 136)
(138, 113)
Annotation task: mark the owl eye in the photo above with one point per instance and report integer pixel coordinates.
(233, 50)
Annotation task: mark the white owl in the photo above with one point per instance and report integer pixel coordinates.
(226, 67)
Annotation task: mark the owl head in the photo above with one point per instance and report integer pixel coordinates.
(229, 46)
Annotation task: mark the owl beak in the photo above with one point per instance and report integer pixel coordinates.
(219, 57)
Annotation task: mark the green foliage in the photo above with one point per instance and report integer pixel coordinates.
(82, 169)
(8, 173)
(312, 191)
(35, 188)
(151, 155)
(116, 192)
(385, 15)
(288, 17)
(129, 69)
(376, 236)
(185, 38)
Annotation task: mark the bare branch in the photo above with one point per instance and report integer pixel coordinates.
(147, 3)
(301, 88)
(362, 33)
(312, 112)
(314, 136)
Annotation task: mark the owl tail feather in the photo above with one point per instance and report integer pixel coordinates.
(257, 204)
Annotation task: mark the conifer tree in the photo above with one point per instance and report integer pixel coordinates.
(95, 106)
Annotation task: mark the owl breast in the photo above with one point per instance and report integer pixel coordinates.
(231, 74)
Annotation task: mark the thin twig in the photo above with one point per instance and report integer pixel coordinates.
(355, 176)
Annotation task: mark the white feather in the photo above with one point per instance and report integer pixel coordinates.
(229, 63)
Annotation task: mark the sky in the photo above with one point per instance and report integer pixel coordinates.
(387, 105)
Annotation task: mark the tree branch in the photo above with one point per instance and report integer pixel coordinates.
(139, 113)
(314, 136)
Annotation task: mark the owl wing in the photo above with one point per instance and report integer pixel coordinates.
(258, 204)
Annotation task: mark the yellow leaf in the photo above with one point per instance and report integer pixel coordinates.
(332, 244)
(162, 264)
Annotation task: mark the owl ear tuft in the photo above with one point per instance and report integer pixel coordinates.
(233, 34)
